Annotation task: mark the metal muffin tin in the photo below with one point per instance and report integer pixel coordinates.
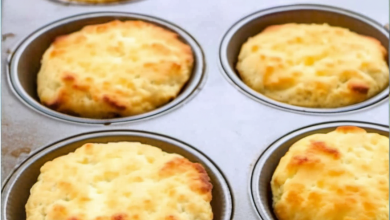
(253, 24)
(25, 63)
(220, 122)
(260, 187)
(17, 187)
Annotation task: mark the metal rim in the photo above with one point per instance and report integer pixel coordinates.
(69, 2)
(12, 178)
(255, 173)
(194, 85)
(234, 79)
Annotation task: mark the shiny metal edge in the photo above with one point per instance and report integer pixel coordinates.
(200, 73)
(205, 160)
(254, 180)
(233, 78)
(68, 2)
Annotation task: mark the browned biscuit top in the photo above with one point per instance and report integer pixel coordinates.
(116, 69)
(126, 181)
(340, 175)
(312, 65)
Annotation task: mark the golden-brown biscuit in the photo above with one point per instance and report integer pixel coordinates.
(316, 66)
(121, 181)
(116, 69)
(341, 175)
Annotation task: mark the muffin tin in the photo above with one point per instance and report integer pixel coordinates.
(16, 190)
(260, 187)
(24, 64)
(228, 130)
(253, 24)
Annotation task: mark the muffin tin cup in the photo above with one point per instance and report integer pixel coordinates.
(16, 190)
(24, 64)
(260, 182)
(253, 24)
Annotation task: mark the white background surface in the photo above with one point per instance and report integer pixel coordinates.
(220, 121)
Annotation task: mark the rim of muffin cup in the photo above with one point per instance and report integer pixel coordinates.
(237, 35)
(16, 187)
(77, 3)
(260, 177)
(21, 82)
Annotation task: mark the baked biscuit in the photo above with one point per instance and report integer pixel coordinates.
(121, 181)
(341, 175)
(312, 65)
(116, 69)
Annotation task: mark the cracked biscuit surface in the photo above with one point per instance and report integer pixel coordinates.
(116, 69)
(312, 65)
(341, 175)
(120, 181)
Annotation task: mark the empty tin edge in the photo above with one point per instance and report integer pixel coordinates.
(199, 74)
(255, 175)
(234, 79)
(225, 185)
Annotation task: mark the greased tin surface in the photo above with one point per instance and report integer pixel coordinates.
(227, 126)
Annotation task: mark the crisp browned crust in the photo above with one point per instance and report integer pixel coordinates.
(317, 66)
(340, 175)
(350, 129)
(114, 69)
(200, 179)
(121, 181)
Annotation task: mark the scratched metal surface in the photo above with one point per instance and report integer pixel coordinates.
(226, 125)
